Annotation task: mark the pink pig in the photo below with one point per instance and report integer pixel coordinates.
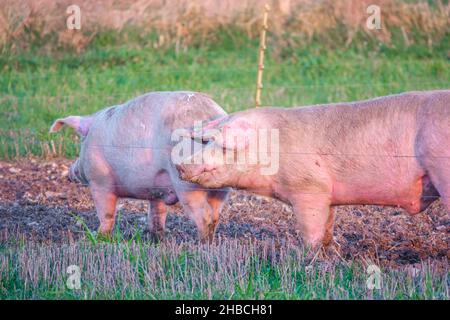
(393, 151)
(125, 152)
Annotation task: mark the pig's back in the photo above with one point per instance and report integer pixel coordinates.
(377, 125)
(150, 118)
(134, 139)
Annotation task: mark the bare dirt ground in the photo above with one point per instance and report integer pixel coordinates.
(39, 203)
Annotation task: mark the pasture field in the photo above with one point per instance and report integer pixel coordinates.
(47, 223)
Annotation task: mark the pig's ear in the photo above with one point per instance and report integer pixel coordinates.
(80, 124)
(214, 124)
(236, 134)
(208, 130)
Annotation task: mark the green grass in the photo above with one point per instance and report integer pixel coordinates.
(227, 270)
(36, 89)
(115, 268)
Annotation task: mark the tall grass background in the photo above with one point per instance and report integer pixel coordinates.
(24, 23)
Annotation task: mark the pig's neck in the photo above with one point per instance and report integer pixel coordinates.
(253, 181)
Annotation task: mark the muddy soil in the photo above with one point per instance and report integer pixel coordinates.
(39, 203)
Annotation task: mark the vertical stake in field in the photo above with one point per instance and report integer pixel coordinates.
(262, 48)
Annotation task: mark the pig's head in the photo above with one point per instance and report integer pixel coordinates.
(226, 154)
(81, 126)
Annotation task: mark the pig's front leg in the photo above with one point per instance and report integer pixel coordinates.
(315, 218)
(157, 218)
(105, 203)
(328, 238)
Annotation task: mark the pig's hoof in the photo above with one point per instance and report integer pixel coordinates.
(313, 254)
(324, 253)
(104, 237)
(207, 239)
(332, 250)
(208, 236)
(157, 236)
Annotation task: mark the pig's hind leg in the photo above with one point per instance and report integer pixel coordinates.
(439, 173)
(105, 203)
(157, 218)
(434, 156)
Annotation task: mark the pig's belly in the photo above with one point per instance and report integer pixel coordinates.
(148, 186)
(414, 196)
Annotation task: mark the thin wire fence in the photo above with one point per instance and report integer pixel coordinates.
(57, 147)
(417, 82)
(117, 71)
(160, 190)
(185, 69)
(18, 140)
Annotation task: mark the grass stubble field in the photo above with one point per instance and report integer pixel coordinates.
(47, 223)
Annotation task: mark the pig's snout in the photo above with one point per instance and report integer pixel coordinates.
(182, 170)
(186, 173)
(190, 172)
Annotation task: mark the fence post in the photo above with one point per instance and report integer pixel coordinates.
(262, 48)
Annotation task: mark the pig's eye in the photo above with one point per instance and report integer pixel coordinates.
(202, 141)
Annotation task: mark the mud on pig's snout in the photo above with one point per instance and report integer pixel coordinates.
(189, 171)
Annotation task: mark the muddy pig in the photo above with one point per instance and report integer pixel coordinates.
(125, 152)
(392, 150)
